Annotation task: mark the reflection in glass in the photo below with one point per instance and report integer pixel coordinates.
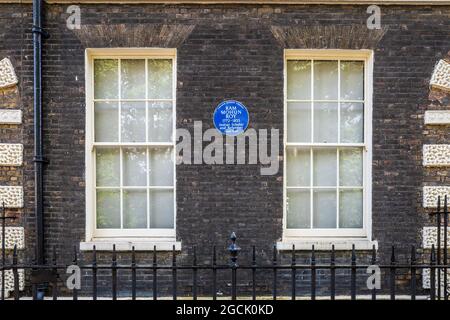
(351, 167)
(108, 209)
(107, 167)
(351, 209)
(132, 78)
(133, 121)
(352, 80)
(299, 79)
(298, 209)
(298, 167)
(160, 79)
(324, 208)
(161, 208)
(352, 122)
(325, 122)
(134, 166)
(324, 163)
(106, 78)
(135, 209)
(325, 80)
(160, 121)
(299, 122)
(106, 121)
(161, 167)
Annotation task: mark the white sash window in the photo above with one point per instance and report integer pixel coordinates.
(327, 143)
(130, 143)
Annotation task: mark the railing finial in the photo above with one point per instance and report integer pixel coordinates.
(234, 249)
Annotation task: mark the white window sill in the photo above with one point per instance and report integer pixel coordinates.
(128, 244)
(324, 244)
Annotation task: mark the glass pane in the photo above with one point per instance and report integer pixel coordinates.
(134, 209)
(324, 172)
(160, 122)
(324, 206)
(352, 80)
(299, 122)
(106, 122)
(107, 167)
(351, 167)
(161, 209)
(106, 78)
(133, 121)
(161, 167)
(351, 209)
(298, 167)
(160, 79)
(352, 122)
(134, 167)
(325, 80)
(325, 122)
(108, 209)
(132, 78)
(298, 209)
(299, 79)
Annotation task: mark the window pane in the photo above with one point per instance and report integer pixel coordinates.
(160, 79)
(160, 122)
(351, 209)
(325, 122)
(298, 167)
(132, 78)
(324, 206)
(106, 122)
(134, 209)
(133, 121)
(299, 80)
(351, 167)
(134, 167)
(107, 167)
(298, 209)
(161, 167)
(106, 78)
(352, 122)
(161, 208)
(325, 80)
(108, 209)
(325, 162)
(352, 80)
(299, 122)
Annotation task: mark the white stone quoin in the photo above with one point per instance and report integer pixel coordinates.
(11, 196)
(431, 194)
(7, 75)
(429, 237)
(10, 116)
(13, 236)
(437, 117)
(441, 76)
(9, 281)
(435, 155)
(426, 279)
(11, 154)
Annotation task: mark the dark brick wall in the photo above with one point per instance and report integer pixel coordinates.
(232, 53)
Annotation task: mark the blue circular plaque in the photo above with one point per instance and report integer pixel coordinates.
(231, 118)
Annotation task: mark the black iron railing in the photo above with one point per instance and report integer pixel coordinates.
(276, 271)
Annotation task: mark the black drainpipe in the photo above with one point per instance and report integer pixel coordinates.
(38, 32)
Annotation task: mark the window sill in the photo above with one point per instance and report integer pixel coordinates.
(128, 244)
(322, 244)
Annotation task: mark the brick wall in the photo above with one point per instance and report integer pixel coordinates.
(231, 53)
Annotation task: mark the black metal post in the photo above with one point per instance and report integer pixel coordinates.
(234, 249)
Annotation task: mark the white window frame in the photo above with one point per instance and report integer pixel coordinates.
(366, 56)
(92, 233)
